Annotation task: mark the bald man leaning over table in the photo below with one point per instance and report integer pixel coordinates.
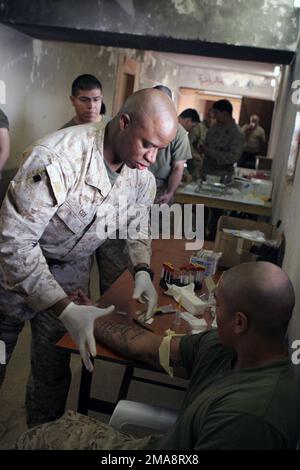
(242, 392)
(49, 230)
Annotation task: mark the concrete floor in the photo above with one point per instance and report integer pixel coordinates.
(106, 381)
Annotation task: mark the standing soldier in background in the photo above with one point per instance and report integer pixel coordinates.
(224, 143)
(255, 138)
(169, 165)
(190, 120)
(223, 148)
(86, 97)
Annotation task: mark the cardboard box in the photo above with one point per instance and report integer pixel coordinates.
(236, 250)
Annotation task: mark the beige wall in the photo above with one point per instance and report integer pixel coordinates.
(286, 195)
(37, 76)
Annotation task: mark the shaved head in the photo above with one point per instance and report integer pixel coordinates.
(152, 105)
(263, 292)
(146, 123)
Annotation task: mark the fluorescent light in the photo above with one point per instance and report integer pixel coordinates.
(297, 3)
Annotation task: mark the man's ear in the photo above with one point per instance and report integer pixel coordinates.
(124, 121)
(72, 99)
(241, 323)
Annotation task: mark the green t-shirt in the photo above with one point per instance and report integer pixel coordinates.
(224, 408)
(3, 120)
(113, 175)
(178, 149)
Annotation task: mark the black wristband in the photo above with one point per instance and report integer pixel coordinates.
(144, 268)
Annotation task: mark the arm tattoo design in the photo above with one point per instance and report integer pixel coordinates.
(120, 335)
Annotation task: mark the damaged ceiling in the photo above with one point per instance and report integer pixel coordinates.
(260, 30)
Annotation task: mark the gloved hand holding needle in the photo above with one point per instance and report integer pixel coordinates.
(144, 290)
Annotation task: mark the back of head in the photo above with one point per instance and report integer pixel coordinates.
(85, 82)
(223, 105)
(264, 293)
(191, 114)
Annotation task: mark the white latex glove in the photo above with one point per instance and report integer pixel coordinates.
(144, 289)
(79, 321)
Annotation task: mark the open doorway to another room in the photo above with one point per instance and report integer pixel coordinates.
(202, 101)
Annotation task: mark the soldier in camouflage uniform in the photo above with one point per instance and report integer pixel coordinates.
(86, 97)
(52, 221)
(112, 256)
(223, 147)
(224, 143)
(190, 120)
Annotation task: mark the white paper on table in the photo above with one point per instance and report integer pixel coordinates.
(197, 324)
(189, 300)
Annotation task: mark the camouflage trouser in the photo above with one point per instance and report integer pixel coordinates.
(75, 431)
(50, 375)
(9, 332)
(112, 260)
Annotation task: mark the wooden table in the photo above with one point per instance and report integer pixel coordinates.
(119, 294)
(226, 202)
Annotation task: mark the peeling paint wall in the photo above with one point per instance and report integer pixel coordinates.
(221, 81)
(36, 78)
(156, 71)
(257, 23)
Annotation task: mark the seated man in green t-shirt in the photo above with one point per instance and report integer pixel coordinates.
(241, 393)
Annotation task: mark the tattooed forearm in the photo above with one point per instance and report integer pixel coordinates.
(124, 336)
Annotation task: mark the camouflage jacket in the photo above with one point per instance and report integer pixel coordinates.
(225, 144)
(58, 206)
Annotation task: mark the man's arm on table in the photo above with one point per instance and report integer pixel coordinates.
(174, 180)
(124, 336)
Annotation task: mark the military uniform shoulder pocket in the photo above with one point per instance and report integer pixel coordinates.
(56, 180)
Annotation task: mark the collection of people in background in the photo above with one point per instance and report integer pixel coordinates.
(48, 234)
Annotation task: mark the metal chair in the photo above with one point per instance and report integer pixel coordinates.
(142, 415)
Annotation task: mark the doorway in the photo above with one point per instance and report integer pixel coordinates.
(202, 101)
(126, 82)
(264, 110)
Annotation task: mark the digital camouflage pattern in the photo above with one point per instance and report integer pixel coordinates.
(54, 209)
(75, 431)
(49, 229)
(197, 137)
(225, 145)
